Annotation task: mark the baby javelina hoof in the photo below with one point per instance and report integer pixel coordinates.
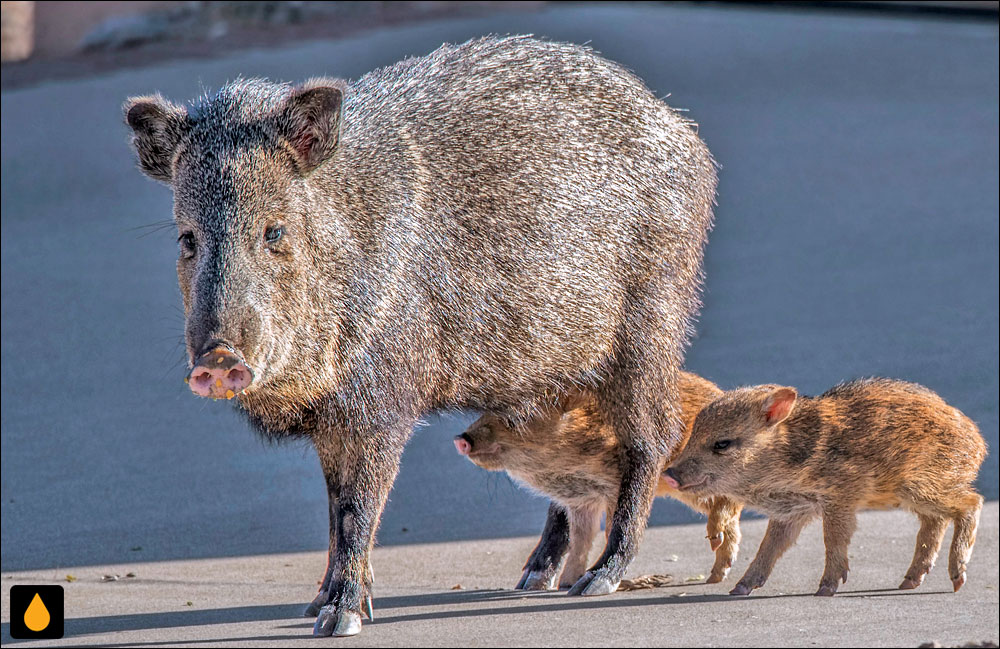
(573, 457)
(869, 444)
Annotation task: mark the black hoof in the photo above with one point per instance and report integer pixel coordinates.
(330, 622)
(592, 584)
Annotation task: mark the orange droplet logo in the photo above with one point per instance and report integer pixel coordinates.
(36, 617)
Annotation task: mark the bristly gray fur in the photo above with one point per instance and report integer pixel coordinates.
(488, 226)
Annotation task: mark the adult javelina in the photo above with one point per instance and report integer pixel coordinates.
(485, 227)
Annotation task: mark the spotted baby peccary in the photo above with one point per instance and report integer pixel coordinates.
(573, 457)
(486, 227)
(875, 443)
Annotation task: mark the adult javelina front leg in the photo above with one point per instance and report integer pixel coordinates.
(359, 472)
(485, 227)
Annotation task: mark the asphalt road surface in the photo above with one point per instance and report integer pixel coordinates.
(856, 235)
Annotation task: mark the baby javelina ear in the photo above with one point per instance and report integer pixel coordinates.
(778, 405)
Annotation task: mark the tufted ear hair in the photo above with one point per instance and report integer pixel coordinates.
(157, 128)
(310, 121)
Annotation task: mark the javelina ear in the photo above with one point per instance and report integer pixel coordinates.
(311, 121)
(157, 128)
(778, 405)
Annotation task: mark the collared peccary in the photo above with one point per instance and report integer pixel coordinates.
(575, 458)
(874, 443)
(486, 227)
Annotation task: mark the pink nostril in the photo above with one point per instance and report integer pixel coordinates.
(219, 374)
(238, 378)
(462, 446)
(201, 383)
(670, 481)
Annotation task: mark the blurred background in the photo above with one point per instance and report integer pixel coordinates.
(857, 235)
(68, 39)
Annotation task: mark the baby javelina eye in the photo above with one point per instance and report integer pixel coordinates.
(273, 233)
(188, 244)
(721, 445)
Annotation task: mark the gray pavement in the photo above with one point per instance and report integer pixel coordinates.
(857, 234)
(257, 601)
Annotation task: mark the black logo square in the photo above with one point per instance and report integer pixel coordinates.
(36, 612)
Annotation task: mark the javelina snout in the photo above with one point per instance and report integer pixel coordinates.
(223, 330)
(479, 444)
(684, 479)
(228, 307)
(463, 444)
(224, 345)
(219, 373)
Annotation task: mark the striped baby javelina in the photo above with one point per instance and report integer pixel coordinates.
(868, 444)
(573, 457)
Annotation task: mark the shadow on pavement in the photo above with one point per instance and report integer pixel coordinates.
(142, 621)
(444, 603)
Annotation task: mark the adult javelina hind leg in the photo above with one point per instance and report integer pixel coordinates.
(640, 399)
(487, 227)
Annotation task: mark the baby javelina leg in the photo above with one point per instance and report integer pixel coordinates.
(839, 523)
(966, 522)
(780, 535)
(584, 523)
(932, 529)
(723, 535)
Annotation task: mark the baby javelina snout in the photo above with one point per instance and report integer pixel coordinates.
(874, 443)
(574, 458)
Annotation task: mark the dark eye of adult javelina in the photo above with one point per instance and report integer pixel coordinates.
(484, 227)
